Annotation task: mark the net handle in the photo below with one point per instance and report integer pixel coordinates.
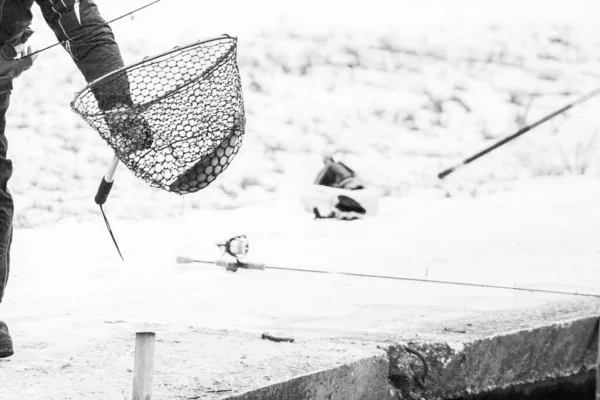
(102, 194)
(107, 182)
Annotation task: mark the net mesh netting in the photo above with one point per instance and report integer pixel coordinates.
(175, 120)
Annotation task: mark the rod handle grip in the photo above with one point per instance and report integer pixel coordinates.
(254, 266)
(234, 266)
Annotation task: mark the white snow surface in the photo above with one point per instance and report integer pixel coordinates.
(73, 306)
(404, 90)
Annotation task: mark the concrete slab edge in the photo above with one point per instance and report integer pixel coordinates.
(498, 362)
(454, 369)
(365, 379)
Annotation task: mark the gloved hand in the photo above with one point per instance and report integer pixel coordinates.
(12, 68)
(129, 128)
(16, 46)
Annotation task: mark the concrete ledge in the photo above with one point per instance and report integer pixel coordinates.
(455, 370)
(497, 362)
(579, 386)
(366, 379)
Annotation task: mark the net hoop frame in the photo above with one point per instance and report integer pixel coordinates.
(199, 171)
(125, 68)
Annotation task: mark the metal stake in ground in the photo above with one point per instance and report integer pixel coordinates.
(143, 367)
(520, 132)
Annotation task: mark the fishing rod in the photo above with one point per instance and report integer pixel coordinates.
(520, 132)
(86, 33)
(233, 266)
(238, 247)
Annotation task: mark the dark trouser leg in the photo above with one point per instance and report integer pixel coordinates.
(6, 201)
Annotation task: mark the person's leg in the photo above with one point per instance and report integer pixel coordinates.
(6, 217)
(6, 201)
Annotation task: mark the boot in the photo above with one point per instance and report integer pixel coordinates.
(6, 347)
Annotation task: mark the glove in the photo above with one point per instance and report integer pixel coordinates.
(129, 128)
(14, 47)
(12, 68)
(342, 207)
(348, 208)
(338, 175)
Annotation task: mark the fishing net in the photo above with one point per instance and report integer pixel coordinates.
(175, 120)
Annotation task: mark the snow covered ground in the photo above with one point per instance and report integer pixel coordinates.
(73, 307)
(404, 90)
